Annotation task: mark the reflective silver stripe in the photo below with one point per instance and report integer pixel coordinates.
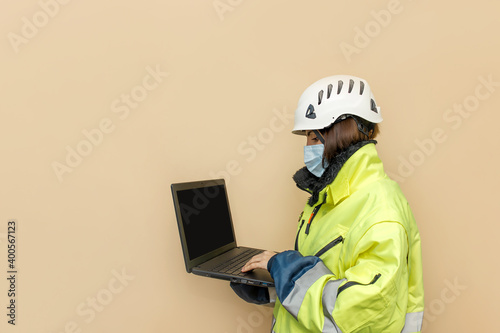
(329, 299)
(272, 294)
(272, 326)
(294, 300)
(413, 322)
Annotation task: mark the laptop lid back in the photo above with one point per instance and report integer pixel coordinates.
(204, 220)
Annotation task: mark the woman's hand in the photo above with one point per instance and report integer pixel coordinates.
(258, 261)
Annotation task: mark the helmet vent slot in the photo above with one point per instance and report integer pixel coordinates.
(310, 112)
(339, 89)
(320, 96)
(373, 106)
(329, 91)
(361, 87)
(351, 85)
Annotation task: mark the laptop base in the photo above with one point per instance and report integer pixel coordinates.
(256, 277)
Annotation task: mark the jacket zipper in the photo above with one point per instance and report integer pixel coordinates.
(329, 246)
(353, 283)
(298, 233)
(313, 215)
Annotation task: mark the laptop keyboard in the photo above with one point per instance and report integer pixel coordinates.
(234, 265)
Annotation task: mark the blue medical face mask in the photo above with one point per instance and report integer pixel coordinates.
(313, 158)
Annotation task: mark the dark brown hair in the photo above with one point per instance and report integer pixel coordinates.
(341, 135)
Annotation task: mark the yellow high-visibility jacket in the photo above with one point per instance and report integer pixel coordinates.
(357, 266)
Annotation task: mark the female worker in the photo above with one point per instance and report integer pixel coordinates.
(356, 266)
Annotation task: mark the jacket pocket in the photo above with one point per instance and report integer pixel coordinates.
(329, 246)
(330, 253)
(354, 283)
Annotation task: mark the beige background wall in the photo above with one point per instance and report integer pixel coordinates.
(98, 247)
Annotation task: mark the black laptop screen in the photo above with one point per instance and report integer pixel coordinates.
(206, 219)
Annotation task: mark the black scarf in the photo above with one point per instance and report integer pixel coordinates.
(308, 182)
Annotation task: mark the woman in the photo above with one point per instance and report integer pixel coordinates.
(356, 266)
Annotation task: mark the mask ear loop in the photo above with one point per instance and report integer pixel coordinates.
(319, 136)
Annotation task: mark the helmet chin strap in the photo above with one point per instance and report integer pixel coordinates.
(319, 136)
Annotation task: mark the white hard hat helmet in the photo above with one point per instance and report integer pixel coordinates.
(332, 99)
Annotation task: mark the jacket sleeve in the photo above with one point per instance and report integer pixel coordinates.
(366, 300)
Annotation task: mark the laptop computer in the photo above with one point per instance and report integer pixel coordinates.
(207, 234)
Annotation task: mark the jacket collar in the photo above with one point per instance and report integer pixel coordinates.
(335, 179)
(361, 169)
